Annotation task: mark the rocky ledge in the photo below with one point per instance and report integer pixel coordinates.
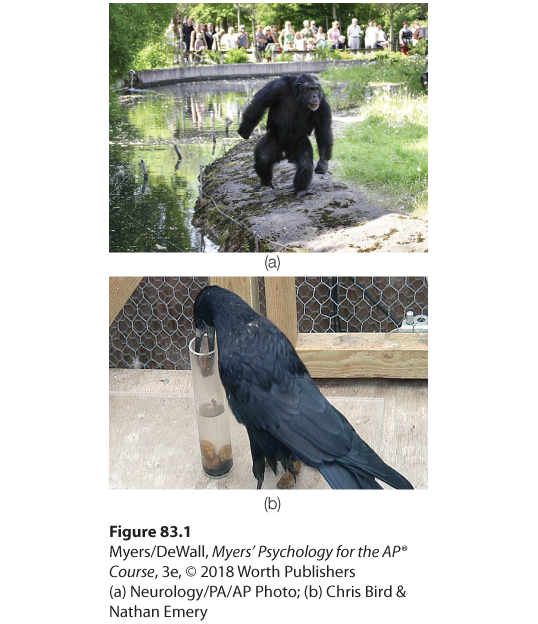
(337, 218)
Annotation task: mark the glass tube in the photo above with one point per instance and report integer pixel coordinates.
(212, 411)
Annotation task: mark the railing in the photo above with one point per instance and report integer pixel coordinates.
(256, 56)
(183, 56)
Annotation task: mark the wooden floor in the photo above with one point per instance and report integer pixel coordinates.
(154, 439)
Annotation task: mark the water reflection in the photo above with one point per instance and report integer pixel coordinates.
(156, 215)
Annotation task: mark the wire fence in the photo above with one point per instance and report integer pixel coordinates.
(156, 324)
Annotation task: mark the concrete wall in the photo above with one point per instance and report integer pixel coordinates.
(191, 73)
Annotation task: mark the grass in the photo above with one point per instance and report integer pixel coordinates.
(384, 68)
(385, 151)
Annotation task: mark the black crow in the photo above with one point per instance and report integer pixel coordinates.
(270, 391)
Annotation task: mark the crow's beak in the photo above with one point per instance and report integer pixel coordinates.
(205, 339)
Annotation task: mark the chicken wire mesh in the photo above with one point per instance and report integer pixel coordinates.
(358, 304)
(154, 328)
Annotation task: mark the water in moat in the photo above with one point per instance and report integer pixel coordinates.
(155, 216)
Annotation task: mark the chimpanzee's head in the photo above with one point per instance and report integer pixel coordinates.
(309, 91)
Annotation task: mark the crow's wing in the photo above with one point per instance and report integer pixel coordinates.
(300, 417)
(269, 389)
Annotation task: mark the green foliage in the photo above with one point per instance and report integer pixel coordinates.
(154, 56)
(133, 27)
(217, 13)
(338, 55)
(114, 108)
(285, 57)
(385, 67)
(323, 54)
(268, 13)
(346, 55)
(420, 48)
(213, 55)
(356, 93)
(236, 55)
(391, 58)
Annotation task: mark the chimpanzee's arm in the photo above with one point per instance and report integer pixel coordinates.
(324, 133)
(265, 98)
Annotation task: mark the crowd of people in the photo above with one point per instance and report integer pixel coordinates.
(196, 38)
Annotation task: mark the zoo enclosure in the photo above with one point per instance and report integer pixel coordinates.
(340, 326)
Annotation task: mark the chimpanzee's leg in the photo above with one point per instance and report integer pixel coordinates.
(267, 153)
(302, 155)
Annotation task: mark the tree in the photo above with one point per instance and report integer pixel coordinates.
(267, 13)
(132, 27)
(390, 8)
(406, 10)
(216, 13)
(180, 16)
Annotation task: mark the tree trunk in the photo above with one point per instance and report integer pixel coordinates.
(253, 16)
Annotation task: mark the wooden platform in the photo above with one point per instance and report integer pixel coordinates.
(154, 438)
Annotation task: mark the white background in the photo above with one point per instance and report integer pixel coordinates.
(471, 548)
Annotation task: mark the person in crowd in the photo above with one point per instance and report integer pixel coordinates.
(320, 38)
(219, 34)
(272, 42)
(310, 46)
(197, 31)
(229, 40)
(274, 34)
(416, 32)
(354, 35)
(270, 35)
(242, 38)
(405, 36)
(261, 42)
(299, 44)
(307, 31)
(169, 34)
(199, 47)
(314, 28)
(334, 33)
(187, 31)
(171, 41)
(340, 44)
(381, 38)
(209, 34)
(370, 38)
(286, 37)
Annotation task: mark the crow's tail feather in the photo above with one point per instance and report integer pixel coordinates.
(340, 478)
(360, 468)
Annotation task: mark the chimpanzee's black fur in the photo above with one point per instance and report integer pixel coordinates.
(297, 105)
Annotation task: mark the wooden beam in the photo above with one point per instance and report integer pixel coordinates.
(245, 287)
(120, 289)
(280, 301)
(395, 356)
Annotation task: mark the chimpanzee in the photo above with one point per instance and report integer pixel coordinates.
(297, 105)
